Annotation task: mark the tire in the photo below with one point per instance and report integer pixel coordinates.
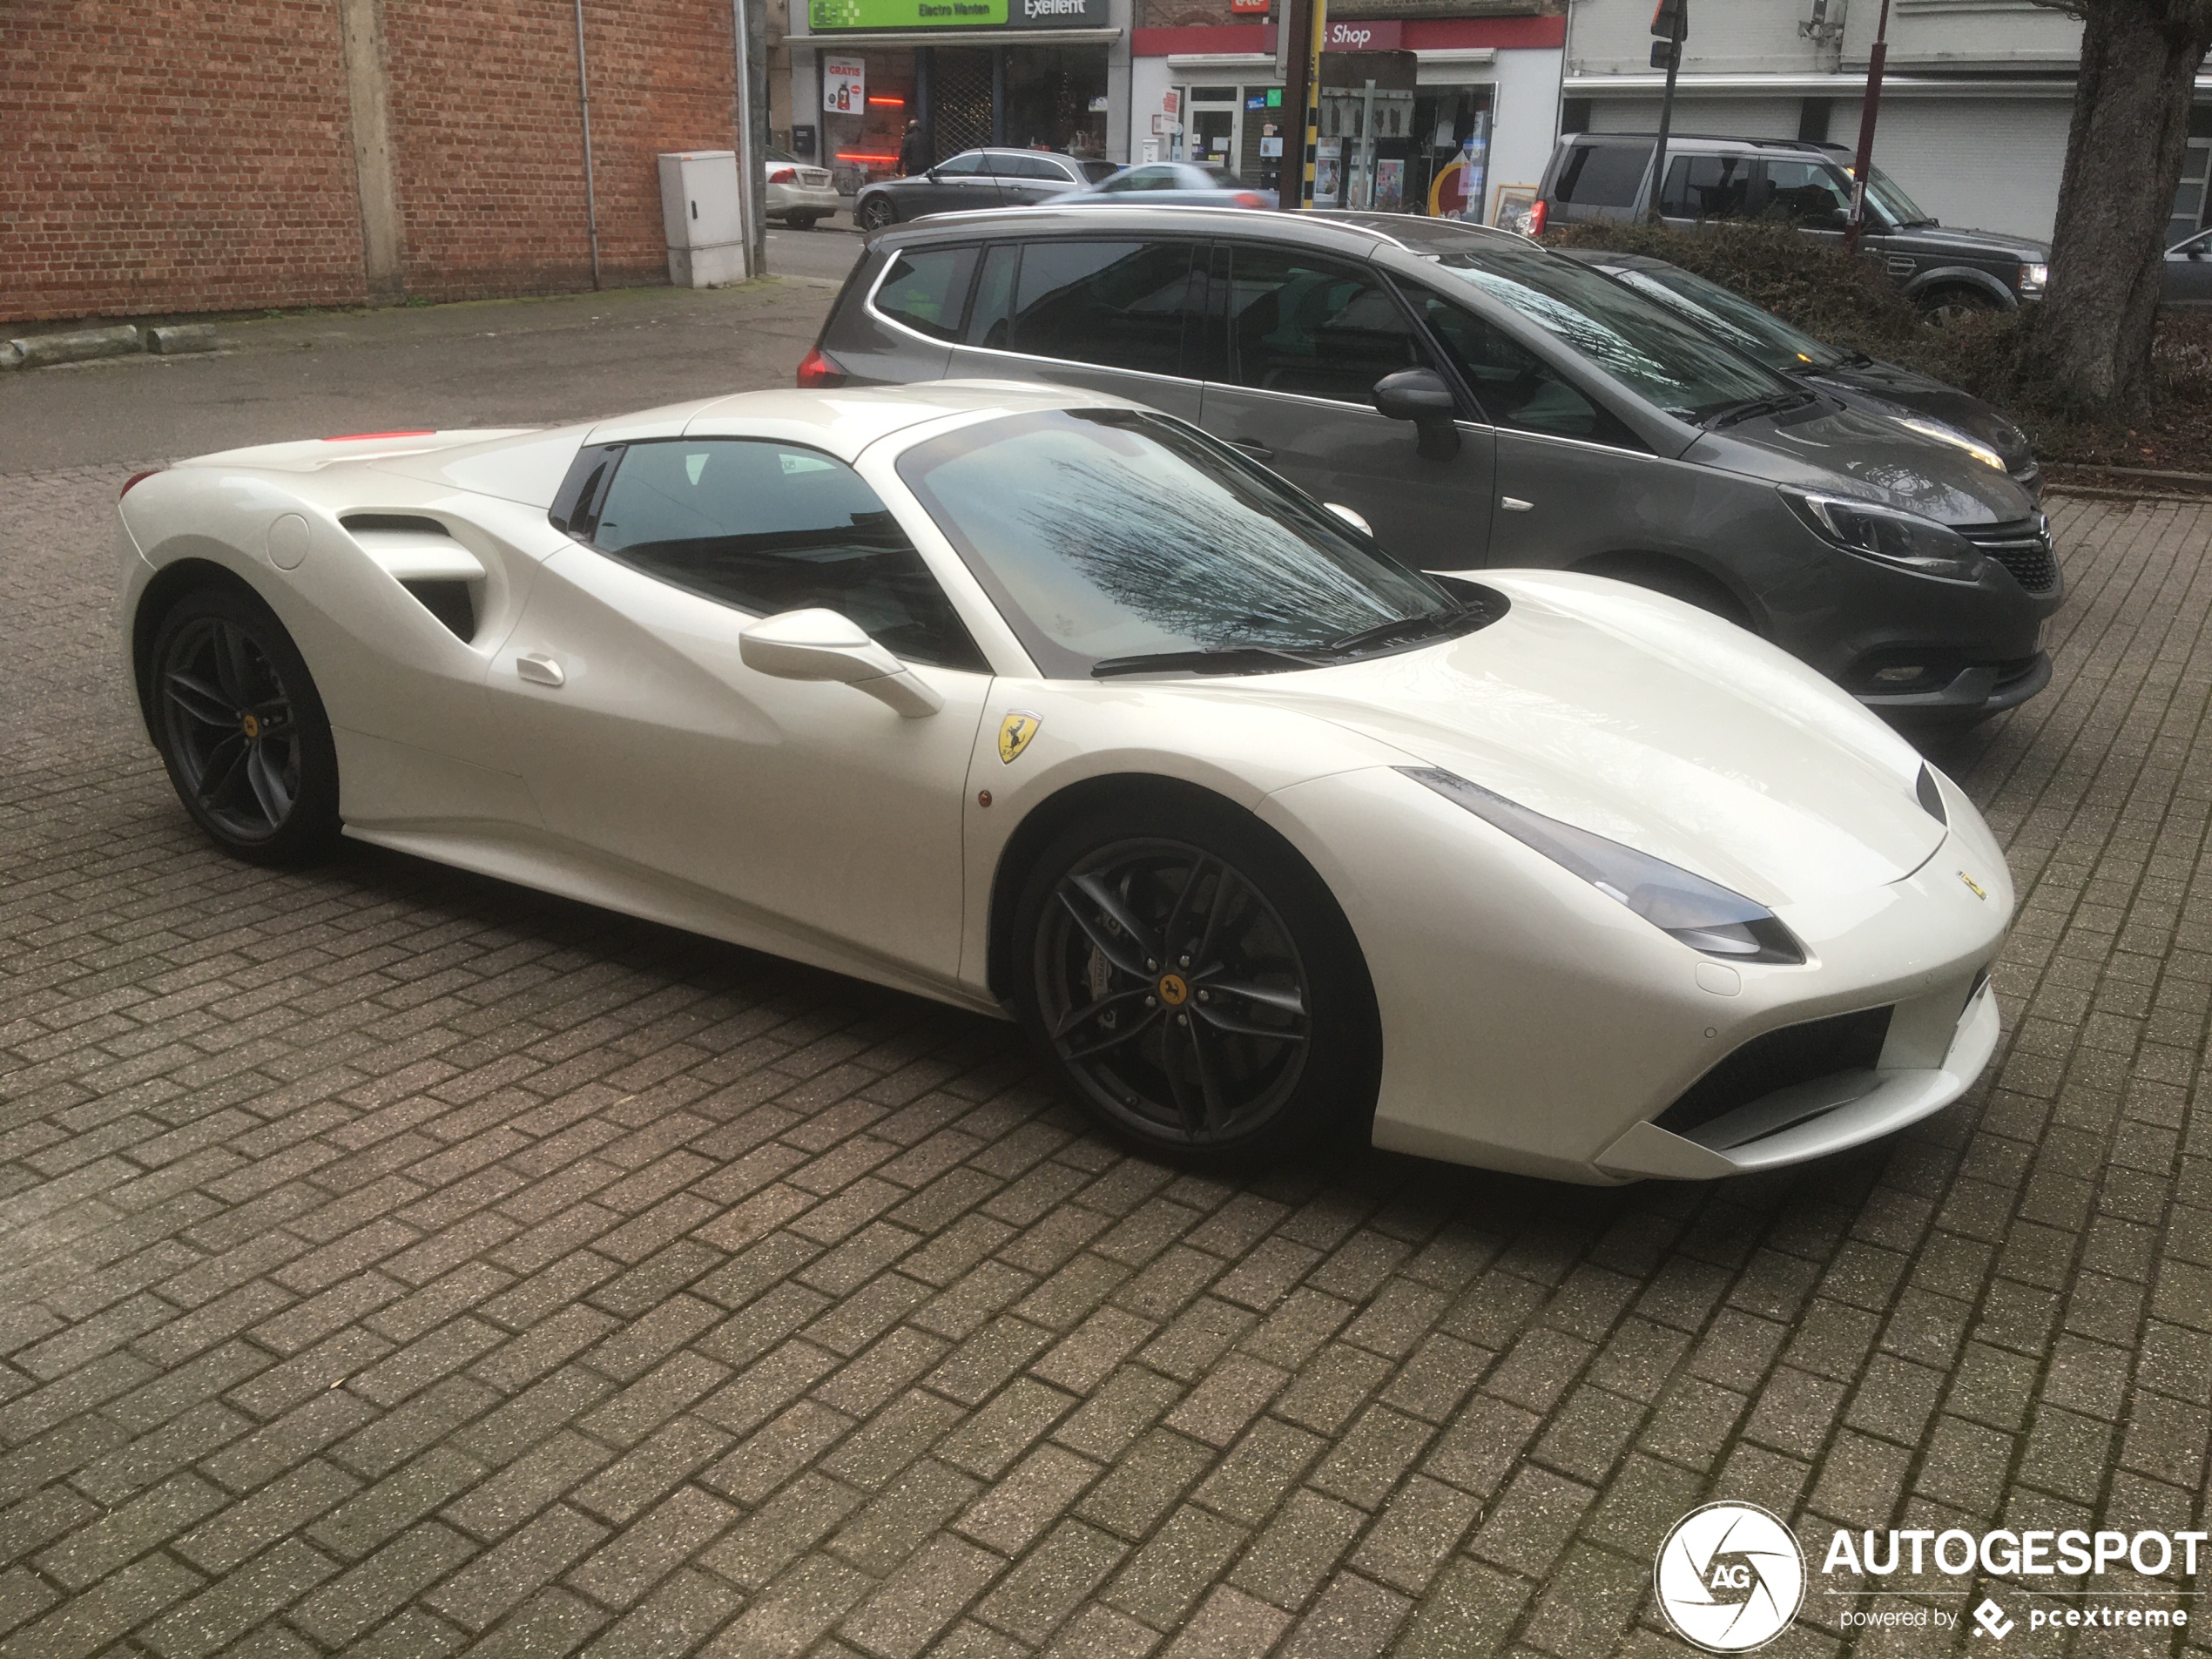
(1946, 306)
(800, 221)
(877, 212)
(1252, 1043)
(241, 729)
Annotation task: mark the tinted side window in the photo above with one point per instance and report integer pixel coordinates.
(1707, 187)
(771, 526)
(960, 165)
(1319, 330)
(1121, 305)
(1604, 175)
(990, 319)
(927, 289)
(1515, 387)
(1806, 191)
(1038, 167)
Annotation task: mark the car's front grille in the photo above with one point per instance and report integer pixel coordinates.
(2023, 547)
(1794, 1054)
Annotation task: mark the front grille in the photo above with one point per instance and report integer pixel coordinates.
(2023, 547)
(1794, 1054)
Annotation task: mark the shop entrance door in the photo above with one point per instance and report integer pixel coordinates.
(1211, 126)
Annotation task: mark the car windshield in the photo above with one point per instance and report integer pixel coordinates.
(1222, 177)
(1117, 542)
(1735, 319)
(1893, 201)
(1098, 171)
(773, 154)
(1648, 348)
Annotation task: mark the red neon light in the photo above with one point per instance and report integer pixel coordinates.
(855, 155)
(363, 437)
(896, 102)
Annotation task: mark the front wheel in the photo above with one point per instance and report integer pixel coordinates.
(1194, 983)
(241, 728)
(801, 222)
(1947, 305)
(876, 212)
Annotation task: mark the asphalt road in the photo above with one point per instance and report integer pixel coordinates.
(828, 250)
(505, 363)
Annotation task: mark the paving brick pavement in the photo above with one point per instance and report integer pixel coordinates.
(393, 1261)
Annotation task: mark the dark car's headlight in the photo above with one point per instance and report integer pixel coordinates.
(1702, 914)
(1906, 540)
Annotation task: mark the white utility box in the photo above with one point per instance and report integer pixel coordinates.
(699, 208)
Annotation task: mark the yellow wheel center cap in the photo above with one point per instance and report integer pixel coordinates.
(1174, 991)
(253, 726)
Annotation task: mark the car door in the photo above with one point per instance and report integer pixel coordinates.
(1109, 314)
(1572, 480)
(645, 738)
(1297, 342)
(1812, 195)
(2188, 272)
(964, 182)
(1035, 179)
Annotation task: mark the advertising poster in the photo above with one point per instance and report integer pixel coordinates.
(1328, 171)
(1390, 186)
(845, 85)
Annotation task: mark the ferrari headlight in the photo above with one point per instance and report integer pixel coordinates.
(1702, 914)
(1952, 435)
(1906, 540)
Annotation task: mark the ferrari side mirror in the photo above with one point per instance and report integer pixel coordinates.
(1352, 516)
(1421, 397)
(822, 644)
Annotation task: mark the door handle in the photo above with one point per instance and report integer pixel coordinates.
(1515, 505)
(1256, 451)
(539, 670)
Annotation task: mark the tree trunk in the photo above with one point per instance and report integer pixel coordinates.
(2123, 159)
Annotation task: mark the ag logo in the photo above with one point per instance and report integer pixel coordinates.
(1730, 1577)
(1015, 732)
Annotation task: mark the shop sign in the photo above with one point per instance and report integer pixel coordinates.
(845, 86)
(1347, 37)
(828, 16)
(1249, 7)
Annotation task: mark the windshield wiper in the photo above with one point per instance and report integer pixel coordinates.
(1221, 659)
(1398, 627)
(1730, 413)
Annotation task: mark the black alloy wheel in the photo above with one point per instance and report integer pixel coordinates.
(876, 212)
(241, 729)
(1199, 990)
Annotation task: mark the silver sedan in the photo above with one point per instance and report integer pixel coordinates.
(1159, 182)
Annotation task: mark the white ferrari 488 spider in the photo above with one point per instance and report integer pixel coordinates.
(1047, 705)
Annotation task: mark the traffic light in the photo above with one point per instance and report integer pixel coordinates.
(1670, 21)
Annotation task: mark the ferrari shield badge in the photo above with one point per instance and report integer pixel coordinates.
(1015, 732)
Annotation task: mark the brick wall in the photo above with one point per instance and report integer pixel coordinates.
(163, 157)
(157, 155)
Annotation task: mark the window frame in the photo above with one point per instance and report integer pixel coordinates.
(1215, 358)
(582, 498)
(883, 318)
(982, 246)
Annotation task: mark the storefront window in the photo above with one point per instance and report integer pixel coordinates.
(860, 136)
(1055, 99)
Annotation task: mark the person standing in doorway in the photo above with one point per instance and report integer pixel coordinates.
(914, 154)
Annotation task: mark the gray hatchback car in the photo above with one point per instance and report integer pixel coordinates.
(1479, 400)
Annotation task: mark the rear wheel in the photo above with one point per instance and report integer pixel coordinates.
(1192, 981)
(876, 212)
(801, 222)
(241, 728)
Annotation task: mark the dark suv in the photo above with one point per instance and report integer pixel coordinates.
(1607, 176)
(1478, 401)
